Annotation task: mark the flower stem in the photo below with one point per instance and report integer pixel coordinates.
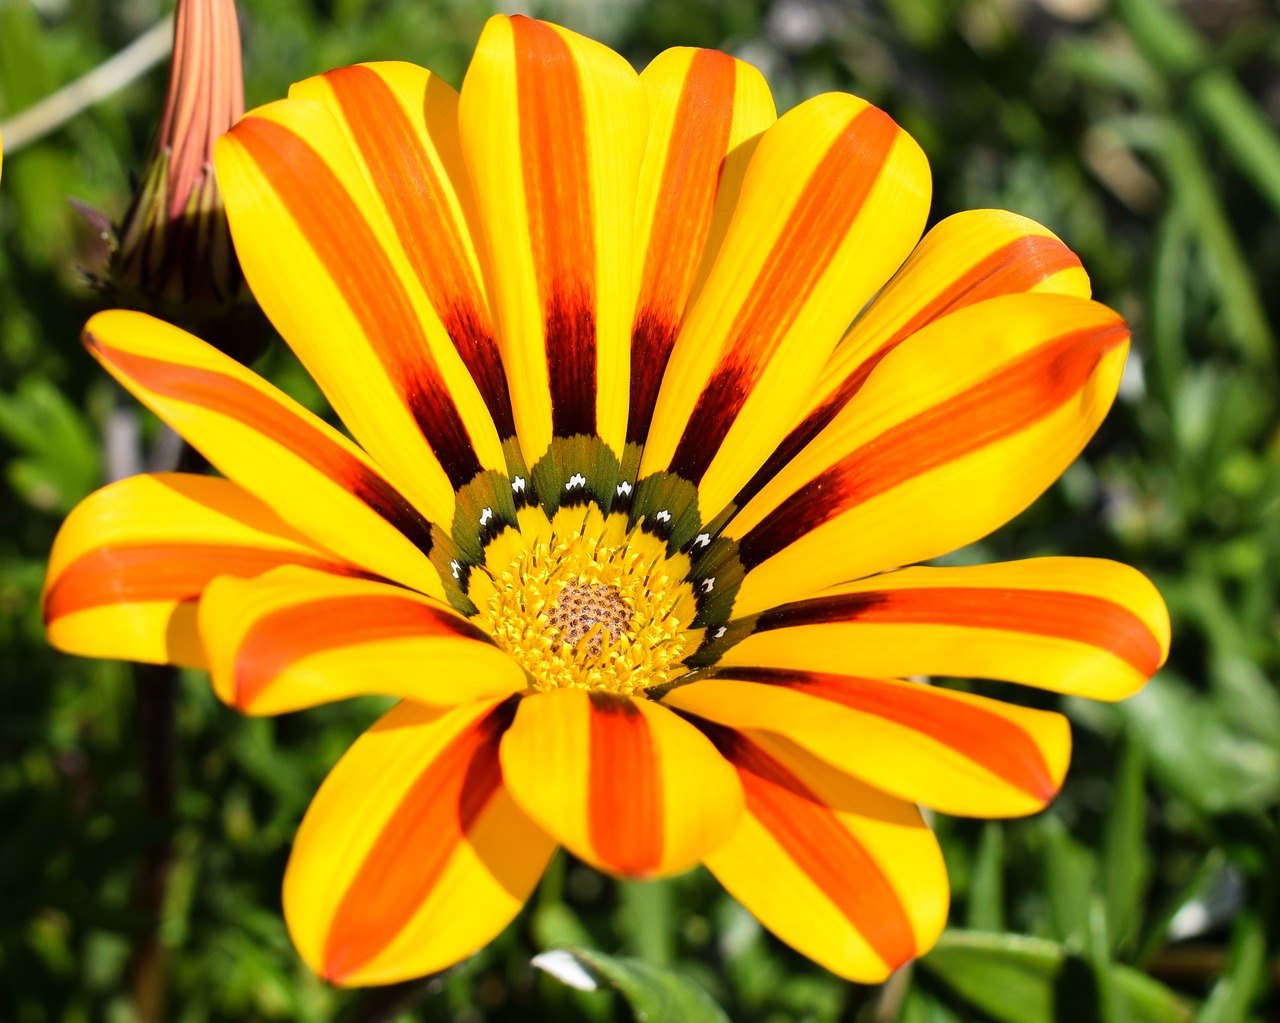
(155, 686)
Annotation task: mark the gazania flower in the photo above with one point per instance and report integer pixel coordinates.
(624, 515)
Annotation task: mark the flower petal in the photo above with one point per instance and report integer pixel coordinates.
(296, 637)
(327, 265)
(553, 129)
(412, 854)
(705, 110)
(835, 196)
(1075, 625)
(403, 123)
(845, 874)
(955, 432)
(306, 471)
(967, 258)
(623, 783)
(956, 752)
(131, 559)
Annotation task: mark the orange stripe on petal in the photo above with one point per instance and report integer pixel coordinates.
(432, 818)
(1082, 626)
(403, 175)
(799, 257)
(700, 137)
(552, 127)
(1080, 617)
(1009, 401)
(992, 742)
(1017, 266)
(347, 247)
(294, 638)
(412, 855)
(162, 572)
(561, 228)
(130, 560)
(821, 847)
(624, 812)
(957, 752)
(234, 398)
(287, 635)
(620, 781)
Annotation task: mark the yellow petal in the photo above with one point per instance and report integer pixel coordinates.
(967, 258)
(403, 124)
(296, 637)
(623, 783)
(956, 752)
(835, 196)
(842, 872)
(315, 231)
(304, 470)
(132, 558)
(705, 111)
(1075, 625)
(553, 129)
(412, 854)
(957, 430)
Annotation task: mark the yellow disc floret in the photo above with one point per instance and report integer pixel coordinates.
(582, 601)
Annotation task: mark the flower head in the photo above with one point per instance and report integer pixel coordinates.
(653, 393)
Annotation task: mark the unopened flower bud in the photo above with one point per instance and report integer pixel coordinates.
(174, 257)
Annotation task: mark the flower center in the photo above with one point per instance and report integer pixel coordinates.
(590, 612)
(587, 603)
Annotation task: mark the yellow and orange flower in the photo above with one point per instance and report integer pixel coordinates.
(623, 520)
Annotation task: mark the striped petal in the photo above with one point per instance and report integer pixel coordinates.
(327, 203)
(412, 854)
(403, 123)
(955, 432)
(307, 472)
(553, 129)
(956, 752)
(622, 783)
(967, 258)
(296, 637)
(1075, 625)
(705, 110)
(846, 875)
(835, 197)
(132, 558)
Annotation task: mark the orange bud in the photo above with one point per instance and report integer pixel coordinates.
(175, 258)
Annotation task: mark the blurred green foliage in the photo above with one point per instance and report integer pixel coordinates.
(1142, 133)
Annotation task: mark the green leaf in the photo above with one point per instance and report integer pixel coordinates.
(1112, 1008)
(986, 886)
(655, 995)
(1125, 859)
(1068, 874)
(1243, 128)
(1227, 110)
(1170, 268)
(1196, 190)
(1016, 979)
(60, 455)
(554, 923)
(1197, 755)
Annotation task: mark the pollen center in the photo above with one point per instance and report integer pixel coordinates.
(593, 612)
(584, 602)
